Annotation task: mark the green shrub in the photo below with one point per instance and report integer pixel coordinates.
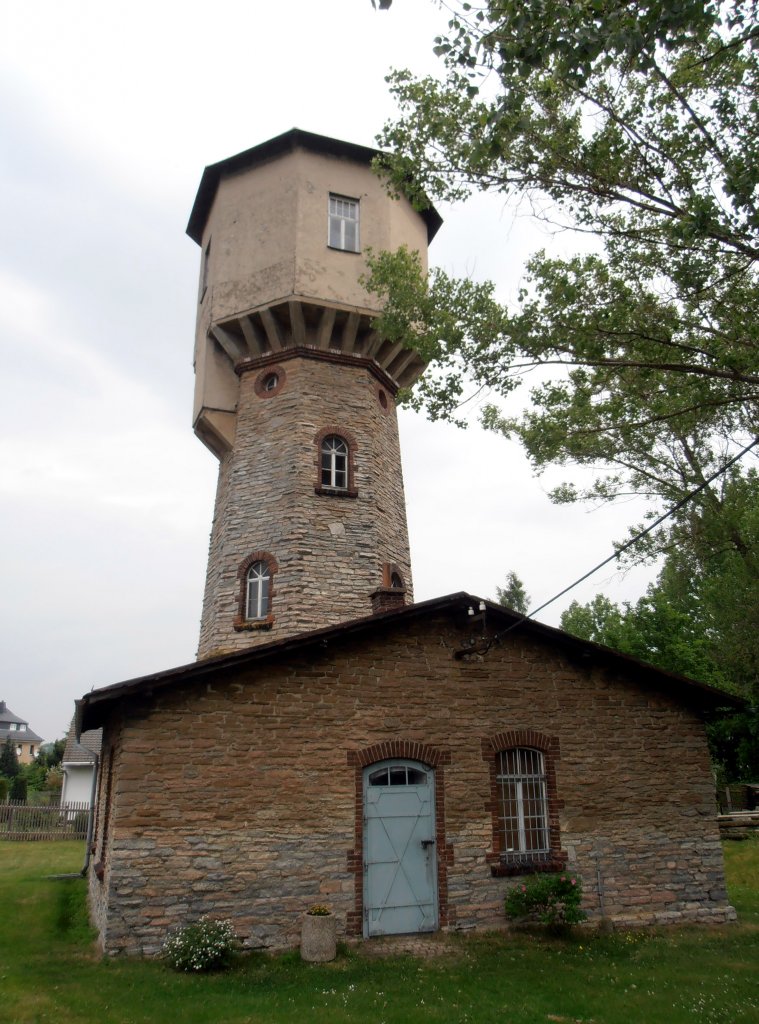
(18, 788)
(207, 945)
(3, 790)
(551, 899)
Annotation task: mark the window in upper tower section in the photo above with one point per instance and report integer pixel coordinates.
(343, 223)
(334, 462)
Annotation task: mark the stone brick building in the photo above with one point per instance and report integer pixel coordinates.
(335, 742)
(242, 785)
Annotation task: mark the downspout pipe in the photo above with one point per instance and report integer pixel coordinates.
(91, 819)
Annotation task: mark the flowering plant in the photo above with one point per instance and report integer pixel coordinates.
(551, 899)
(204, 946)
(319, 910)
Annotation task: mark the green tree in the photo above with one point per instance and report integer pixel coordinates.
(18, 788)
(690, 621)
(51, 754)
(635, 124)
(35, 775)
(513, 595)
(9, 759)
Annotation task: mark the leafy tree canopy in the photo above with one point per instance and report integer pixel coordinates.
(9, 759)
(51, 754)
(513, 595)
(636, 124)
(701, 619)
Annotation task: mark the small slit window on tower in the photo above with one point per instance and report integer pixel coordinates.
(334, 462)
(523, 808)
(204, 270)
(257, 591)
(343, 223)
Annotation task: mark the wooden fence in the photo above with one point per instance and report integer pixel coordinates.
(738, 825)
(20, 821)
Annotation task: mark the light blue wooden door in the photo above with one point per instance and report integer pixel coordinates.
(400, 863)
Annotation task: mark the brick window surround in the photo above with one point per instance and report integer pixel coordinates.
(390, 569)
(240, 622)
(431, 757)
(272, 375)
(556, 858)
(388, 597)
(350, 491)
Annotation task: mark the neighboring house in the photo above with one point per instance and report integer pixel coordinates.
(336, 743)
(16, 729)
(404, 770)
(79, 764)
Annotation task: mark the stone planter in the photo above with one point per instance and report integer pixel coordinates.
(318, 938)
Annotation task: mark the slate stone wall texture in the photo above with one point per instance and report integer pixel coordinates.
(240, 797)
(330, 548)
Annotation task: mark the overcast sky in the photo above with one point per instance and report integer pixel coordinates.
(108, 113)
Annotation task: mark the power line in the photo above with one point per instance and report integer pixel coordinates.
(633, 540)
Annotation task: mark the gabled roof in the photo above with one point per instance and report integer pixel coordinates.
(497, 621)
(7, 717)
(20, 735)
(296, 138)
(86, 749)
(23, 735)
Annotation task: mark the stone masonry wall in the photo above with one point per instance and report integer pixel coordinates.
(329, 549)
(238, 797)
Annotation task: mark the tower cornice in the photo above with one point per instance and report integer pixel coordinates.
(329, 356)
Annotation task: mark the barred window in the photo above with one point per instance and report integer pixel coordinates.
(523, 807)
(257, 591)
(343, 223)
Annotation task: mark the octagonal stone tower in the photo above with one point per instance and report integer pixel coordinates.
(295, 390)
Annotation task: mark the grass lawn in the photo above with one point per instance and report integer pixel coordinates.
(49, 972)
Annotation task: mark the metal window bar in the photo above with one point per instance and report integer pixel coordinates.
(520, 775)
(398, 775)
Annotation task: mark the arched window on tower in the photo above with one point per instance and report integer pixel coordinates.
(257, 591)
(334, 462)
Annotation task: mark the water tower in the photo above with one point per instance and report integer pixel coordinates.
(295, 390)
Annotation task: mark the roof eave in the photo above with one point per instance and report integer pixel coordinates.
(288, 141)
(91, 705)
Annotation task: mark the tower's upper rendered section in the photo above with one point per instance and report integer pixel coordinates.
(283, 230)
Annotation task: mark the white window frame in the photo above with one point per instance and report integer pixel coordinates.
(257, 591)
(523, 804)
(343, 222)
(334, 461)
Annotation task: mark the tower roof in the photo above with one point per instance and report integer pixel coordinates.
(296, 138)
